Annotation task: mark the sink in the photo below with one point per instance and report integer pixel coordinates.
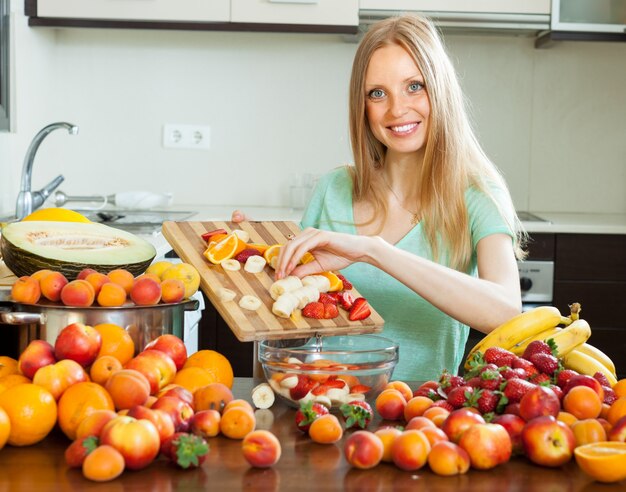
(135, 221)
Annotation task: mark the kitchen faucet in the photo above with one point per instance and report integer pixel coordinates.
(27, 200)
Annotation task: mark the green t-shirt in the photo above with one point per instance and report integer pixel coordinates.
(429, 340)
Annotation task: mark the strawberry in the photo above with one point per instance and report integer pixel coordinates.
(185, 450)
(512, 408)
(490, 379)
(557, 391)
(323, 388)
(326, 298)
(515, 388)
(313, 310)
(357, 414)
(473, 382)
(360, 388)
(536, 347)
(499, 356)
(541, 378)
(449, 381)
(601, 378)
(346, 299)
(360, 309)
(564, 376)
(207, 235)
(243, 256)
(528, 366)
(346, 284)
(459, 396)
(609, 395)
(443, 404)
(428, 393)
(307, 413)
(487, 401)
(545, 363)
(300, 390)
(508, 373)
(330, 311)
(76, 452)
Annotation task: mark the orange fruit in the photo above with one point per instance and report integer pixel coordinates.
(216, 238)
(5, 428)
(194, 378)
(582, 402)
(604, 461)
(8, 365)
(11, 380)
(336, 284)
(103, 464)
(271, 253)
(224, 249)
(32, 412)
(620, 388)
(116, 342)
(616, 411)
(213, 362)
(80, 400)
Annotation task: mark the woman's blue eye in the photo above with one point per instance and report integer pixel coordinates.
(415, 86)
(376, 93)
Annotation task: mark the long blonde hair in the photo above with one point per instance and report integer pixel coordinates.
(453, 158)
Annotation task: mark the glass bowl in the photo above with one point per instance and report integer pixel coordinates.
(329, 370)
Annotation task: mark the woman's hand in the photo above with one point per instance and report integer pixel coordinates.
(238, 216)
(332, 251)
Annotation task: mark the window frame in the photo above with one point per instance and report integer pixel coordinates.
(5, 38)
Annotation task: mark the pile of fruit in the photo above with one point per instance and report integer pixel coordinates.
(163, 282)
(122, 410)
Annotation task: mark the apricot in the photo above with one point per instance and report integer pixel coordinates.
(402, 387)
(128, 388)
(172, 290)
(97, 280)
(617, 432)
(26, 289)
(160, 418)
(390, 404)
(111, 295)
(420, 422)
(78, 293)
(51, 285)
(93, 423)
(39, 274)
(237, 423)
(122, 277)
(82, 275)
(56, 378)
(363, 449)
(185, 272)
(145, 292)
(261, 448)
(582, 402)
(177, 391)
(446, 458)
(214, 396)
(387, 435)
(434, 434)
(103, 368)
(206, 423)
(587, 431)
(410, 450)
(326, 429)
(239, 403)
(416, 406)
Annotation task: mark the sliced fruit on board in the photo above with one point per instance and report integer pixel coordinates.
(69, 247)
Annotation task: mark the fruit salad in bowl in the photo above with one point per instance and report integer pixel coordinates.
(329, 370)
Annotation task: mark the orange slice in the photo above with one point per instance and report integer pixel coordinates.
(261, 248)
(224, 249)
(271, 253)
(216, 238)
(307, 258)
(335, 282)
(605, 461)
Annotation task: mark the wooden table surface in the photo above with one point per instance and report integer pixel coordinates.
(304, 466)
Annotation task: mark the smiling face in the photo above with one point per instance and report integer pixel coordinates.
(396, 101)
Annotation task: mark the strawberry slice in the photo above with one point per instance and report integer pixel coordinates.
(207, 235)
(346, 283)
(300, 390)
(360, 309)
(326, 298)
(313, 310)
(360, 388)
(330, 311)
(346, 299)
(322, 389)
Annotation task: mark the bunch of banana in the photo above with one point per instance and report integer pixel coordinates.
(563, 340)
(584, 363)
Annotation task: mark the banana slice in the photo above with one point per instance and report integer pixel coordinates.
(231, 265)
(319, 281)
(255, 264)
(283, 285)
(324, 400)
(306, 294)
(285, 304)
(264, 418)
(249, 302)
(263, 396)
(242, 235)
(225, 295)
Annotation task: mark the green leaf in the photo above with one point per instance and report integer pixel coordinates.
(189, 449)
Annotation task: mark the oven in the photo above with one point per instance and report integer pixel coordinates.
(536, 282)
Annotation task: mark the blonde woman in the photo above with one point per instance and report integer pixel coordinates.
(423, 224)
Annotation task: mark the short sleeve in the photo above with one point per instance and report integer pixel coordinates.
(489, 213)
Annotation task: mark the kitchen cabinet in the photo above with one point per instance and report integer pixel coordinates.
(492, 6)
(321, 12)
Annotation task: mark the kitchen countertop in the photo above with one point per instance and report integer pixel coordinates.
(304, 465)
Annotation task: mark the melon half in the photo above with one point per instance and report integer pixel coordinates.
(69, 247)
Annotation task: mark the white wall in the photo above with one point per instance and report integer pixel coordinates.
(553, 120)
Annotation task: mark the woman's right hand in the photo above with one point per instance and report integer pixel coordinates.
(238, 216)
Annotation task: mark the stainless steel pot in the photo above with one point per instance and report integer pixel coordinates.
(46, 319)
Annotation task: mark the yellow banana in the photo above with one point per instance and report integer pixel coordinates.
(544, 335)
(585, 364)
(518, 328)
(597, 354)
(570, 337)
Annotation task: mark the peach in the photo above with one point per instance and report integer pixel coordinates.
(111, 295)
(410, 450)
(387, 435)
(97, 280)
(618, 431)
(178, 391)
(261, 448)
(238, 402)
(103, 368)
(93, 423)
(157, 366)
(206, 423)
(122, 277)
(128, 388)
(152, 276)
(78, 293)
(179, 411)
(146, 292)
(56, 378)
(446, 458)
(37, 354)
(214, 396)
(39, 274)
(488, 445)
(161, 419)
(172, 290)
(237, 422)
(416, 406)
(589, 430)
(26, 290)
(419, 422)
(402, 387)
(539, 401)
(390, 404)
(51, 285)
(458, 421)
(325, 429)
(437, 414)
(513, 425)
(172, 346)
(434, 434)
(82, 275)
(363, 449)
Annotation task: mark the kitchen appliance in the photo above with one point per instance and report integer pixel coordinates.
(536, 282)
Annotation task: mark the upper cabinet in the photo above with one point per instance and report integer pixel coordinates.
(143, 10)
(320, 12)
(475, 6)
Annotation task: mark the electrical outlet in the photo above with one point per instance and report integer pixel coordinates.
(177, 136)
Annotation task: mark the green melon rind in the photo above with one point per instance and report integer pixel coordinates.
(24, 258)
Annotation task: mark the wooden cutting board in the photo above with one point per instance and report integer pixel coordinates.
(184, 237)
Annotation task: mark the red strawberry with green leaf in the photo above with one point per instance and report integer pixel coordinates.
(76, 452)
(536, 347)
(458, 396)
(545, 363)
(357, 414)
(499, 356)
(515, 388)
(185, 450)
(307, 413)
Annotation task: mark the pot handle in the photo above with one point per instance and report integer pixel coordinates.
(191, 305)
(11, 318)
